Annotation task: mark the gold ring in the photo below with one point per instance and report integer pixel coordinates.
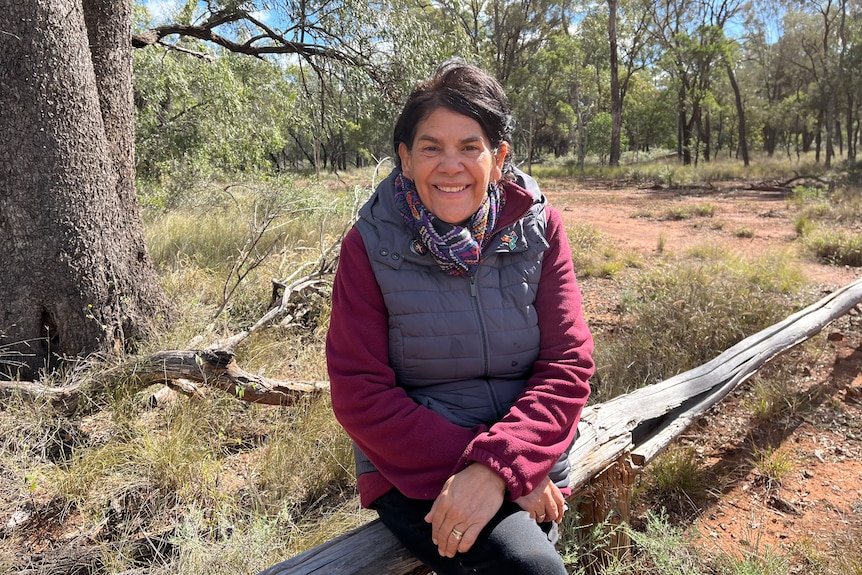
(457, 534)
(540, 517)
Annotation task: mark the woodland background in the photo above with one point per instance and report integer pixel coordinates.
(256, 130)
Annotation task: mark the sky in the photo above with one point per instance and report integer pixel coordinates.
(161, 11)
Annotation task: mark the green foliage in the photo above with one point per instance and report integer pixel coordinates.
(828, 223)
(224, 114)
(835, 245)
(666, 549)
(599, 136)
(677, 478)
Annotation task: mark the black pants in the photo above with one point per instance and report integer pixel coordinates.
(511, 543)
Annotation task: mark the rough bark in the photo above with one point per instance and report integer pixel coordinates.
(78, 278)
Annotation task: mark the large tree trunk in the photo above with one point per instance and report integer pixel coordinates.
(76, 278)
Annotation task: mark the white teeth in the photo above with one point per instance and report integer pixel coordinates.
(450, 190)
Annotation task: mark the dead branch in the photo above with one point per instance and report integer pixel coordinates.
(284, 291)
(786, 186)
(181, 370)
(324, 266)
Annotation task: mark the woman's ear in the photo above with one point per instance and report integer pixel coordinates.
(404, 154)
(499, 160)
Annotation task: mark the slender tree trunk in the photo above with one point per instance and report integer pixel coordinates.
(77, 277)
(740, 113)
(581, 130)
(616, 96)
(818, 135)
(705, 136)
(683, 152)
(830, 129)
(848, 122)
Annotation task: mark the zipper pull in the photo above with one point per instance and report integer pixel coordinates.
(473, 286)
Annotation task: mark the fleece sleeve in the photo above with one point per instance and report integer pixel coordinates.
(413, 448)
(524, 445)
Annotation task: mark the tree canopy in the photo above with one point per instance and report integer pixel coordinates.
(328, 77)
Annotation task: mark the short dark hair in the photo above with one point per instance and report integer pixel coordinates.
(462, 88)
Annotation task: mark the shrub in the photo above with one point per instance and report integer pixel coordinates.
(681, 315)
(836, 246)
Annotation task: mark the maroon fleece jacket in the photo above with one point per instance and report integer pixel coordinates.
(415, 449)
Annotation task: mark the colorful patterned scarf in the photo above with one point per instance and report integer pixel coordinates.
(456, 249)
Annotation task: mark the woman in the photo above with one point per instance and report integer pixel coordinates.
(457, 352)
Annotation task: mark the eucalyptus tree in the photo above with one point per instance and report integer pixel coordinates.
(850, 65)
(823, 59)
(593, 96)
(779, 113)
(807, 44)
(628, 23)
(225, 113)
(691, 36)
(503, 34)
(648, 117)
(77, 276)
(544, 99)
(82, 280)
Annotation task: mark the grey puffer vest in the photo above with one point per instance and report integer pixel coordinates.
(463, 347)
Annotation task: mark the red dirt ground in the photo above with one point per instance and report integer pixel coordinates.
(815, 506)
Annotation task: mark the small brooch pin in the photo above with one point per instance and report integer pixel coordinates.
(418, 248)
(510, 240)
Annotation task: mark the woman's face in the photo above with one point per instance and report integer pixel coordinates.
(451, 163)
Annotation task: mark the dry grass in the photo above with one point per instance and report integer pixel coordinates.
(231, 488)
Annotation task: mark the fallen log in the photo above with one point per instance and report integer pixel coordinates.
(786, 186)
(180, 369)
(616, 438)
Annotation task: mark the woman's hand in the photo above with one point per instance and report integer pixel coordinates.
(544, 503)
(466, 504)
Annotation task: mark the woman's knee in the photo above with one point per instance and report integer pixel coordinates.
(517, 546)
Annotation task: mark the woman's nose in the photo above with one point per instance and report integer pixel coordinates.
(450, 162)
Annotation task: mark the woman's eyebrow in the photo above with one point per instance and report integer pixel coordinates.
(433, 140)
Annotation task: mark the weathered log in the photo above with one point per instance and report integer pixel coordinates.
(785, 186)
(81, 557)
(73, 559)
(637, 425)
(370, 549)
(655, 414)
(213, 368)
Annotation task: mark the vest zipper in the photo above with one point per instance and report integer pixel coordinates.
(486, 352)
(474, 292)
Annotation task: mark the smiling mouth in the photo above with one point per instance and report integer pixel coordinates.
(451, 189)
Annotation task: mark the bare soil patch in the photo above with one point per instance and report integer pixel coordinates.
(812, 512)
